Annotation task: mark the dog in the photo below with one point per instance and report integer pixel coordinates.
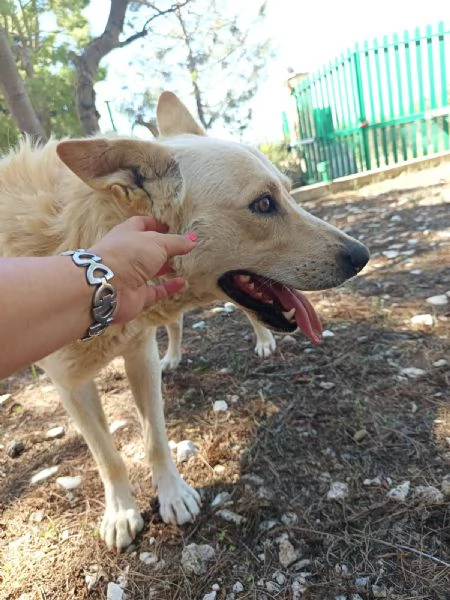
(255, 247)
(265, 342)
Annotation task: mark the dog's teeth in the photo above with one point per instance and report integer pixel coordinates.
(289, 315)
(244, 278)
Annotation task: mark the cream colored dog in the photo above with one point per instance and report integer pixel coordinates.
(256, 247)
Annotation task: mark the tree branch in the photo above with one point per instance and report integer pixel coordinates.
(16, 95)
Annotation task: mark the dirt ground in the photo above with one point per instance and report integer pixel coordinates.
(297, 423)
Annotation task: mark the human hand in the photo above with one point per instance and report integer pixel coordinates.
(136, 251)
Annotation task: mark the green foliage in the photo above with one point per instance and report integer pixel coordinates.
(42, 34)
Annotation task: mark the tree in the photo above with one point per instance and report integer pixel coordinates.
(49, 64)
(215, 54)
(34, 66)
(16, 96)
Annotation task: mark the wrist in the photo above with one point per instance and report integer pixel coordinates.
(104, 298)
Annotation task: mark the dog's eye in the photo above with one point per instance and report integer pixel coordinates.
(263, 206)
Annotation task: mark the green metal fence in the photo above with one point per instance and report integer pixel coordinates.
(379, 104)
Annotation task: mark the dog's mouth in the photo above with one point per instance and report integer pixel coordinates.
(276, 305)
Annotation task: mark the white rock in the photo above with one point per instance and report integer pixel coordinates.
(219, 469)
(416, 272)
(439, 300)
(221, 498)
(238, 587)
(327, 333)
(44, 474)
(298, 589)
(4, 398)
(362, 582)
(194, 558)
(114, 592)
(148, 558)
(326, 385)
(253, 478)
(355, 597)
(340, 597)
(288, 339)
(440, 363)
(272, 587)
(268, 525)
(359, 435)
(279, 577)
(445, 485)
(374, 481)
(69, 483)
(289, 518)
(302, 564)
(226, 371)
(412, 372)
(185, 450)
(390, 253)
(220, 406)
(199, 325)
(229, 307)
(93, 574)
(379, 591)
(116, 425)
(211, 596)
(55, 432)
(400, 492)
(287, 553)
(172, 445)
(429, 494)
(338, 491)
(215, 587)
(425, 320)
(230, 516)
(217, 310)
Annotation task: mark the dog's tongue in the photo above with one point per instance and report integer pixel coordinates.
(305, 316)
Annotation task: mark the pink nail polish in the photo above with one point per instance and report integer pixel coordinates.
(192, 236)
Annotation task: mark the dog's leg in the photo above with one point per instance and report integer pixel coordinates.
(172, 357)
(265, 342)
(179, 502)
(122, 519)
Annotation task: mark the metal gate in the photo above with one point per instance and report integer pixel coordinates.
(379, 104)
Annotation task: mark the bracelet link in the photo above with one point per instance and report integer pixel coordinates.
(104, 300)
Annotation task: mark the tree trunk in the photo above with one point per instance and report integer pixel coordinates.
(16, 96)
(87, 64)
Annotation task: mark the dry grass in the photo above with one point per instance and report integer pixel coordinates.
(285, 427)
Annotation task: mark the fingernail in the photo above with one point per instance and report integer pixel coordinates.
(192, 236)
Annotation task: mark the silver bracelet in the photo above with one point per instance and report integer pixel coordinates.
(104, 300)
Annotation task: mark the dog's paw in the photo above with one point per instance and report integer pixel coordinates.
(120, 525)
(178, 502)
(265, 345)
(170, 362)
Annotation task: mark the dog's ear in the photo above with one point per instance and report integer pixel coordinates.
(173, 117)
(142, 175)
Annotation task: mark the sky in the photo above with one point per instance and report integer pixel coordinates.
(304, 35)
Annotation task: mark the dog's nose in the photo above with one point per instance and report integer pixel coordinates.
(354, 258)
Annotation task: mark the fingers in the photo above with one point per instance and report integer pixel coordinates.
(176, 244)
(144, 223)
(156, 293)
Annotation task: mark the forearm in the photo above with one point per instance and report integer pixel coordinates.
(45, 303)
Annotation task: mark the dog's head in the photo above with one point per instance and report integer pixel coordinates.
(256, 245)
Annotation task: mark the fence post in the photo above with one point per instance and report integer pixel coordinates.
(361, 108)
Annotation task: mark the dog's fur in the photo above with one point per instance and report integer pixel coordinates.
(68, 195)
